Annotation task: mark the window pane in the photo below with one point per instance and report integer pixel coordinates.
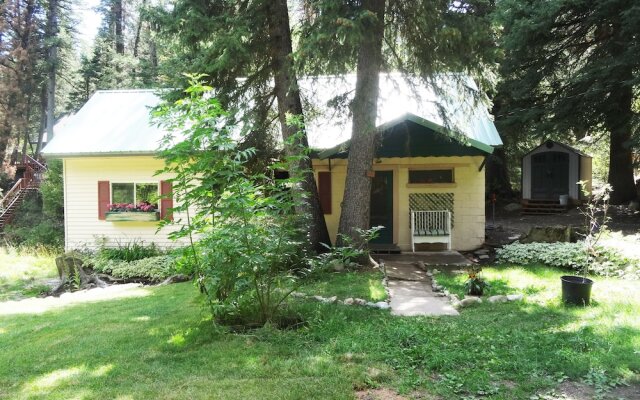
(431, 176)
(122, 193)
(147, 192)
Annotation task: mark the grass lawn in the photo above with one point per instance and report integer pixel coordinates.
(158, 343)
(22, 272)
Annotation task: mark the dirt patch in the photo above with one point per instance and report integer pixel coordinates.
(569, 390)
(388, 394)
(379, 394)
(509, 225)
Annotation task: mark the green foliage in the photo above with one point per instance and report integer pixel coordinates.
(129, 251)
(568, 255)
(249, 240)
(350, 251)
(52, 191)
(151, 269)
(32, 228)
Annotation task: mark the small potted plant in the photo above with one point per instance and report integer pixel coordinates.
(577, 289)
(475, 284)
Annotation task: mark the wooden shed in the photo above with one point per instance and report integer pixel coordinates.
(554, 169)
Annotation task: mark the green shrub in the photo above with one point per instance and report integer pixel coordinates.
(250, 246)
(152, 269)
(568, 255)
(33, 228)
(129, 251)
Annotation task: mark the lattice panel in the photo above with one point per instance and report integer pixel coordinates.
(431, 202)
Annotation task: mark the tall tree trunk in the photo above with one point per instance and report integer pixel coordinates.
(52, 36)
(136, 41)
(357, 193)
(289, 103)
(43, 119)
(118, 16)
(618, 121)
(619, 114)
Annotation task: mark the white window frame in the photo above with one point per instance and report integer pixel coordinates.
(135, 201)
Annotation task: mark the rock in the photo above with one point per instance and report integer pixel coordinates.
(348, 301)
(371, 304)
(175, 279)
(337, 265)
(298, 294)
(332, 299)
(512, 207)
(497, 299)
(469, 301)
(319, 298)
(429, 273)
(484, 257)
(456, 304)
(548, 234)
(437, 288)
(445, 292)
(514, 297)
(383, 305)
(454, 297)
(440, 294)
(634, 206)
(481, 251)
(421, 265)
(360, 302)
(435, 271)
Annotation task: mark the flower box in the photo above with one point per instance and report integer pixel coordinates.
(132, 216)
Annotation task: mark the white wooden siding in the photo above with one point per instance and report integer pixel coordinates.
(82, 226)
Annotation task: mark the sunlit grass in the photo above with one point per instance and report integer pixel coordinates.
(22, 271)
(365, 285)
(164, 345)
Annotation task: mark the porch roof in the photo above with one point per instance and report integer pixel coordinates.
(413, 136)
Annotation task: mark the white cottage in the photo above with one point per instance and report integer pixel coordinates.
(431, 157)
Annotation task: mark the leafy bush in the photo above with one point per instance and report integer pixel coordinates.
(349, 253)
(568, 255)
(153, 269)
(250, 244)
(129, 251)
(33, 228)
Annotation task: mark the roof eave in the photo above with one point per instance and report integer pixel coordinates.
(99, 154)
(418, 120)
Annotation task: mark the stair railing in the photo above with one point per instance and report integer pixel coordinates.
(12, 195)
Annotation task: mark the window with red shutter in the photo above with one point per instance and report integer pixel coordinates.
(166, 200)
(104, 198)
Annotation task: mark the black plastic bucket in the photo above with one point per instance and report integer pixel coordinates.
(576, 290)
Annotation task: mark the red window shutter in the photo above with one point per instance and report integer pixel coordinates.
(324, 191)
(104, 198)
(166, 200)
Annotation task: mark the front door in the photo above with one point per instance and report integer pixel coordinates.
(549, 175)
(382, 205)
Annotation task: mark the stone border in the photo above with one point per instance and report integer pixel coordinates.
(351, 301)
(439, 290)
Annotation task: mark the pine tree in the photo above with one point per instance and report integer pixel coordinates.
(571, 69)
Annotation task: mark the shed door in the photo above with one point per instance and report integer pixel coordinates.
(549, 175)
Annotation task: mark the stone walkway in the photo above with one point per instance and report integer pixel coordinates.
(410, 287)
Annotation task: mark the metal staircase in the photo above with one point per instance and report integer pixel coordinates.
(32, 173)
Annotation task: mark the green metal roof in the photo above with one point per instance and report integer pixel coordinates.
(412, 136)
